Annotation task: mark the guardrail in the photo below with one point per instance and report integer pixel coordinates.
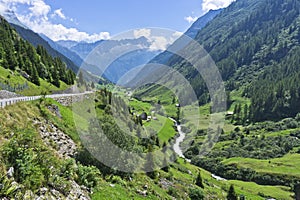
(11, 101)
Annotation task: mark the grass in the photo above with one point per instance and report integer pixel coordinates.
(255, 191)
(140, 106)
(128, 190)
(164, 127)
(66, 122)
(21, 114)
(287, 165)
(14, 79)
(249, 189)
(236, 98)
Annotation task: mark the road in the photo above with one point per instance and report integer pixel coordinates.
(10, 101)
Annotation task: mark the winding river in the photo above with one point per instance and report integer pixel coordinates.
(178, 149)
(179, 140)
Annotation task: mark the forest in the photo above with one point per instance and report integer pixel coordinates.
(32, 63)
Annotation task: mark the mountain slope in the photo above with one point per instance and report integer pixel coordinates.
(255, 45)
(63, 50)
(11, 17)
(191, 32)
(121, 65)
(25, 62)
(202, 22)
(36, 40)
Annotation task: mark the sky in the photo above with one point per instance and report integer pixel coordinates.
(92, 20)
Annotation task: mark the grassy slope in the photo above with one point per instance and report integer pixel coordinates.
(19, 115)
(248, 189)
(288, 165)
(15, 79)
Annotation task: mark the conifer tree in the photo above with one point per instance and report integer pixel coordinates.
(199, 180)
(231, 194)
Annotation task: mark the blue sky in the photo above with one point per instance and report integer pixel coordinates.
(91, 20)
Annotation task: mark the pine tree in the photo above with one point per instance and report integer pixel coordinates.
(55, 77)
(149, 165)
(231, 194)
(93, 85)
(246, 116)
(199, 180)
(80, 78)
(11, 60)
(166, 166)
(34, 76)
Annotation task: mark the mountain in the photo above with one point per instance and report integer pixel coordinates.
(126, 63)
(63, 50)
(84, 48)
(119, 67)
(191, 32)
(67, 43)
(11, 17)
(202, 22)
(36, 40)
(255, 45)
(34, 64)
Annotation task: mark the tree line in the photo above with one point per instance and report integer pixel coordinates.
(33, 63)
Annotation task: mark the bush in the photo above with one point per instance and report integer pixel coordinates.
(196, 194)
(118, 180)
(88, 176)
(173, 192)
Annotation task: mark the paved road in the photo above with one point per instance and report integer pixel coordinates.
(6, 102)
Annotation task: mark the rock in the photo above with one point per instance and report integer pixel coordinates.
(10, 173)
(54, 109)
(143, 193)
(61, 142)
(4, 94)
(55, 193)
(77, 192)
(43, 191)
(165, 183)
(29, 195)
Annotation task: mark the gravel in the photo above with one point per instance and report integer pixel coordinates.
(7, 95)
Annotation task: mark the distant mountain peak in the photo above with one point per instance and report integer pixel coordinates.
(12, 18)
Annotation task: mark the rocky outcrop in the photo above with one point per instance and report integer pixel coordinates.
(59, 141)
(7, 95)
(76, 193)
(69, 100)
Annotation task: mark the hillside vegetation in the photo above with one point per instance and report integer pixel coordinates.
(30, 63)
(255, 45)
(23, 148)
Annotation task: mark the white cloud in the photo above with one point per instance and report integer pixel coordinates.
(177, 34)
(59, 32)
(60, 14)
(39, 8)
(215, 4)
(191, 19)
(36, 18)
(142, 32)
(158, 43)
(2, 8)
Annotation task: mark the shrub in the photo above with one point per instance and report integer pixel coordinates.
(88, 176)
(196, 194)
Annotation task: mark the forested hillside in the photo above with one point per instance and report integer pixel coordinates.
(32, 63)
(37, 40)
(255, 44)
